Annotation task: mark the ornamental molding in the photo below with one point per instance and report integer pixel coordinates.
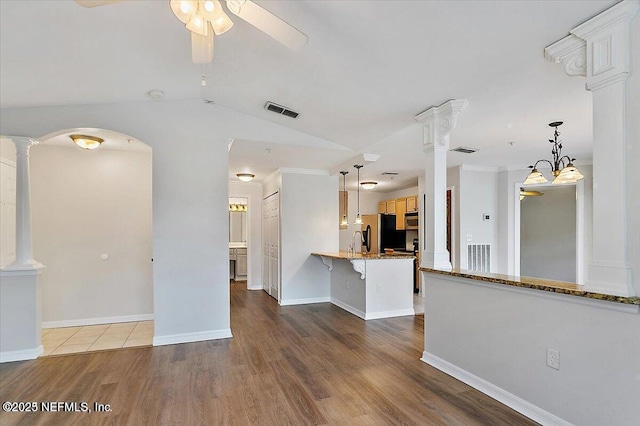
(328, 262)
(571, 51)
(359, 267)
(600, 48)
(438, 123)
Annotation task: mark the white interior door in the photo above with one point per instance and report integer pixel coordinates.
(271, 245)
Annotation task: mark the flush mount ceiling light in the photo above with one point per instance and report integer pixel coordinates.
(86, 142)
(562, 167)
(368, 184)
(245, 177)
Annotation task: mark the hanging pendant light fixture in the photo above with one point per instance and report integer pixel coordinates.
(358, 220)
(344, 221)
(562, 167)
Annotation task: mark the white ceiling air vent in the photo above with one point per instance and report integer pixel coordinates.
(279, 109)
(464, 150)
(390, 173)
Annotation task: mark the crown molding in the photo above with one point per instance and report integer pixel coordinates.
(571, 51)
(474, 168)
(297, 171)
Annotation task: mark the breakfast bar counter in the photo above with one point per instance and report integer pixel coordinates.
(371, 286)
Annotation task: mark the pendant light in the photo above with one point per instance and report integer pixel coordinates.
(344, 221)
(562, 167)
(358, 220)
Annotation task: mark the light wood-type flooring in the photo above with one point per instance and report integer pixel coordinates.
(296, 365)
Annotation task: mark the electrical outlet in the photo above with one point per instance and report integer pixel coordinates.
(379, 288)
(553, 358)
(348, 285)
(469, 238)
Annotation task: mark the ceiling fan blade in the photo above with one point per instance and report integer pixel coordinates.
(268, 23)
(95, 3)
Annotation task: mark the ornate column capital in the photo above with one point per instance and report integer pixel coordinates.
(439, 122)
(598, 49)
(571, 51)
(23, 144)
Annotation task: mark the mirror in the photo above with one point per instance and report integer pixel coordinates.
(237, 220)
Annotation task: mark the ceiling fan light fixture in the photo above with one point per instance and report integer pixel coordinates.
(184, 9)
(368, 184)
(220, 21)
(199, 25)
(246, 177)
(86, 142)
(202, 48)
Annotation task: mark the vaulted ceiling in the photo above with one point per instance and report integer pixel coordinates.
(368, 69)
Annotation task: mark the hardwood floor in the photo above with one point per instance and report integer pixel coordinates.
(310, 364)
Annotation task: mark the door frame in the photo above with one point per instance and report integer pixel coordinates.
(580, 261)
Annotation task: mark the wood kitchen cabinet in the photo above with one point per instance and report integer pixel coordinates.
(401, 208)
(382, 207)
(412, 203)
(391, 207)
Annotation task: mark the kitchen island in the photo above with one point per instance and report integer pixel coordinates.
(371, 286)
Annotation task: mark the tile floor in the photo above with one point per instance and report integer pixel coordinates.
(68, 340)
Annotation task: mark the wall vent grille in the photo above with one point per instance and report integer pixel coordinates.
(479, 257)
(279, 109)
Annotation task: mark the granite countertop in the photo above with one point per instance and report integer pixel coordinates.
(536, 284)
(367, 256)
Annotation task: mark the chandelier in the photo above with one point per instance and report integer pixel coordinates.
(562, 167)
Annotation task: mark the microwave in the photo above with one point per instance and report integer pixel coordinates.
(411, 221)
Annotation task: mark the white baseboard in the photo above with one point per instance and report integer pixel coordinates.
(523, 407)
(389, 314)
(255, 288)
(304, 301)
(95, 321)
(199, 336)
(348, 308)
(23, 355)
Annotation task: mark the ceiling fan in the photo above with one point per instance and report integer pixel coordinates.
(525, 193)
(204, 18)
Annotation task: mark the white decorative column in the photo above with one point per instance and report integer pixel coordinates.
(24, 247)
(20, 287)
(599, 49)
(438, 124)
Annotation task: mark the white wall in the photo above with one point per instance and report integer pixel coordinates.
(478, 196)
(308, 214)
(548, 234)
(7, 202)
(253, 192)
(190, 197)
(86, 204)
(401, 193)
(633, 156)
(500, 334)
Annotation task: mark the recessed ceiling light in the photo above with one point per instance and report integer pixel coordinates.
(86, 142)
